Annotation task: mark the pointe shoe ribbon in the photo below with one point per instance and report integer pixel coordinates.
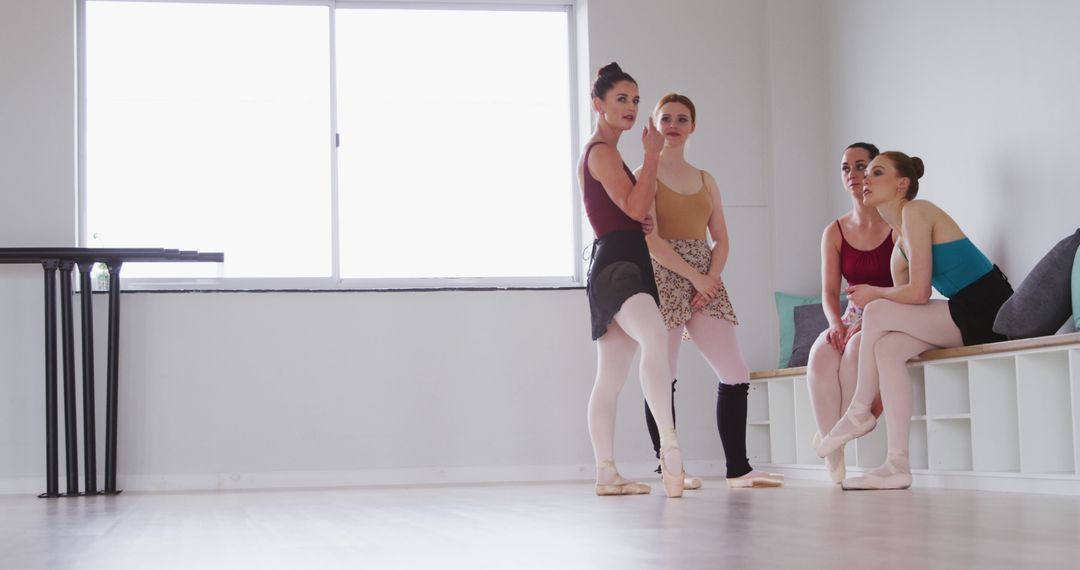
(838, 437)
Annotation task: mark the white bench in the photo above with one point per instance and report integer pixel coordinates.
(1001, 416)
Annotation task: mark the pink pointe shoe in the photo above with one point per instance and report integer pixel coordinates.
(834, 462)
(621, 486)
(690, 482)
(854, 424)
(674, 483)
(894, 474)
(756, 479)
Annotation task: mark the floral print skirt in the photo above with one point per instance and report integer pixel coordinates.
(676, 291)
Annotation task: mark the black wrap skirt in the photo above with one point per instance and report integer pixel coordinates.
(620, 268)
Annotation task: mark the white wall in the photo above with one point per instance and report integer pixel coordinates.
(37, 123)
(250, 389)
(37, 205)
(986, 93)
(802, 164)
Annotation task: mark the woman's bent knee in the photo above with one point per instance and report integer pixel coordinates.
(890, 347)
(823, 356)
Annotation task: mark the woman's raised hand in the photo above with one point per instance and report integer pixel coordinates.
(652, 139)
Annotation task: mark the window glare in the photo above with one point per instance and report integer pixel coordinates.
(455, 153)
(208, 128)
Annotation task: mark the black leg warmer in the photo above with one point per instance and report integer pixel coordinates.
(731, 423)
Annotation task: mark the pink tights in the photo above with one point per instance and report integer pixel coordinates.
(715, 339)
(831, 378)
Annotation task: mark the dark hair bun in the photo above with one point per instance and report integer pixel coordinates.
(608, 69)
(918, 164)
(607, 77)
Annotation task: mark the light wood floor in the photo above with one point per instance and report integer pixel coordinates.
(549, 526)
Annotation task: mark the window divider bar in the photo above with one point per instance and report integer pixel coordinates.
(576, 205)
(335, 214)
(82, 235)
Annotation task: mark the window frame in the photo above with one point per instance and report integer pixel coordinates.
(335, 282)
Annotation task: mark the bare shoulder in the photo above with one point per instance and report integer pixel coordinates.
(922, 208)
(711, 184)
(846, 219)
(831, 235)
(603, 160)
(920, 212)
(603, 152)
(709, 180)
(942, 226)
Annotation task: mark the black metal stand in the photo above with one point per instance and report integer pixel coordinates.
(52, 477)
(67, 343)
(113, 377)
(89, 425)
(66, 259)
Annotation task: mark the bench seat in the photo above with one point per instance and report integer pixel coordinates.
(945, 353)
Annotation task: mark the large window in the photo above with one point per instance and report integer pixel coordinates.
(331, 144)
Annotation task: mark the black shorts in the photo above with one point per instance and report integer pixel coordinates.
(620, 268)
(975, 307)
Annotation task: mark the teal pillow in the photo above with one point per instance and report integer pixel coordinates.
(785, 311)
(1076, 289)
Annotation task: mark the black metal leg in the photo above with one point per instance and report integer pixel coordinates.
(67, 337)
(89, 426)
(113, 377)
(52, 477)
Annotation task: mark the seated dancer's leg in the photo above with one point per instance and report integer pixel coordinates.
(849, 371)
(824, 379)
(892, 353)
(930, 323)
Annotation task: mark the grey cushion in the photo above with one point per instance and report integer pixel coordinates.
(1043, 301)
(810, 320)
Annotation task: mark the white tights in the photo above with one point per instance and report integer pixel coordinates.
(638, 323)
(892, 334)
